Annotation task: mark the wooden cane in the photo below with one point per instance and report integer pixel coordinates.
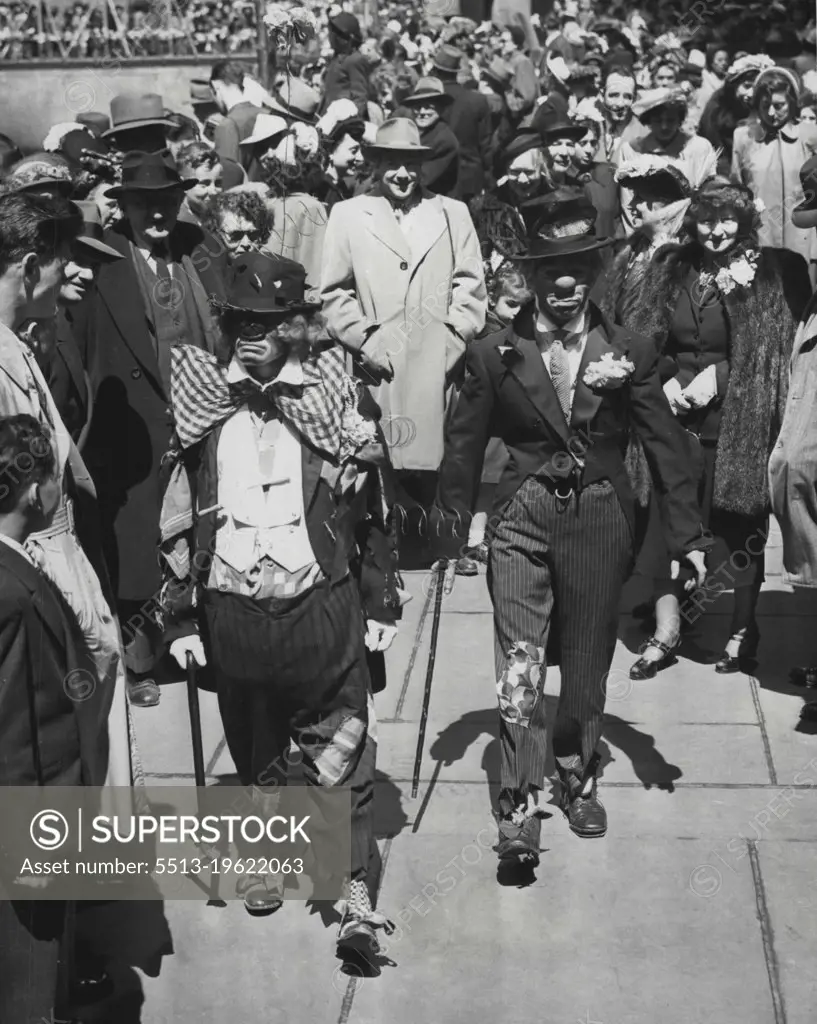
(195, 720)
(432, 657)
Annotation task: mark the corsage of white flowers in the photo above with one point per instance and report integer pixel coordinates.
(608, 373)
(738, 273)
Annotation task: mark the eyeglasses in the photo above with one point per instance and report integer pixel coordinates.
(234, 237)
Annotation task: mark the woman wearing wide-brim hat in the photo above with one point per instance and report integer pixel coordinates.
(426, 106)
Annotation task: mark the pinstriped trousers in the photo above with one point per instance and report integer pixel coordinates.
(296, 669)
(569, 559)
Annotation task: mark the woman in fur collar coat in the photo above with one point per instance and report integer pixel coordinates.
(723, 313)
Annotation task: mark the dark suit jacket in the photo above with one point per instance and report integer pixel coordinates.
(508, 394)
(232, 131)
(441, 167)
(36, 655)
(469, 118)
(347, 78)
(67, 380)
(132, 422)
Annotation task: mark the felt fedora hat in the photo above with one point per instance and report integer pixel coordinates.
(428, 90)
(201, 91)
(129, 110)
(561, 223)
(447, 58)
(296, 100)
(149, 172)
(397, 135)
(88, 242)
(267, 284)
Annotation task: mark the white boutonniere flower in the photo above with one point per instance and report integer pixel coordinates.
(608, 373)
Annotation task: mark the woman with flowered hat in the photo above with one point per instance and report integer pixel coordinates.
(722, 311)
(767, 156)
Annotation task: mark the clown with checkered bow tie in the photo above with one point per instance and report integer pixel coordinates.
(280, 555)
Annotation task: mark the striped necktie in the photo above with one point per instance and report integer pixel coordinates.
(560, 371)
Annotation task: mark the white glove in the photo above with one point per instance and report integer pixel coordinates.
(180, 648)
(703, 388)
(675, 397)
(379, 635)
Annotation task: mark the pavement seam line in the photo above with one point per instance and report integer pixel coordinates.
(352, 986)
(418, 636)
(767, 935)
(761, 720)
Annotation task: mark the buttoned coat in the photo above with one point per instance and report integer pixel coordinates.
(132, 421)
(431, 304)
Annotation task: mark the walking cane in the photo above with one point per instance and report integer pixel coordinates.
(195, 720)
(432, 657)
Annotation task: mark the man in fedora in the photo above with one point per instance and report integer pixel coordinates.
(153, 298)
(404, 291)
(427, 104)
(469, 118)
(347, 73)
(138, 123)
(67, 377)
(227, 83)
(563, 388)
(276, 602)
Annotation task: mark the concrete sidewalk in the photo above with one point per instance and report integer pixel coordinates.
(697, 908)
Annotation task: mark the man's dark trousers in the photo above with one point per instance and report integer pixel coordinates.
(296, 669)
(569, 558)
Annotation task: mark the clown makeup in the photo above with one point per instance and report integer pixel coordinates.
(618, 96)
(717, 231)
(258, 344)
(560, 154)
(562, 286)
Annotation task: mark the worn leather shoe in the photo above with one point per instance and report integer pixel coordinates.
(262, 896)
(585, 812)
(520, 843)
(143, 693)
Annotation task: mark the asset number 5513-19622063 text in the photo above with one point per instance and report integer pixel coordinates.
(227, 866)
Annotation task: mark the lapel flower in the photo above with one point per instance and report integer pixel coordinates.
(738, 273)
(608, 373)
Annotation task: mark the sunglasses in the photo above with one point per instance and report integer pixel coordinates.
(236, 236)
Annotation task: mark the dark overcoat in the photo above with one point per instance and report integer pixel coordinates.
(132, 421)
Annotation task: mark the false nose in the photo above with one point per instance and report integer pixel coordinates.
(565, 286)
